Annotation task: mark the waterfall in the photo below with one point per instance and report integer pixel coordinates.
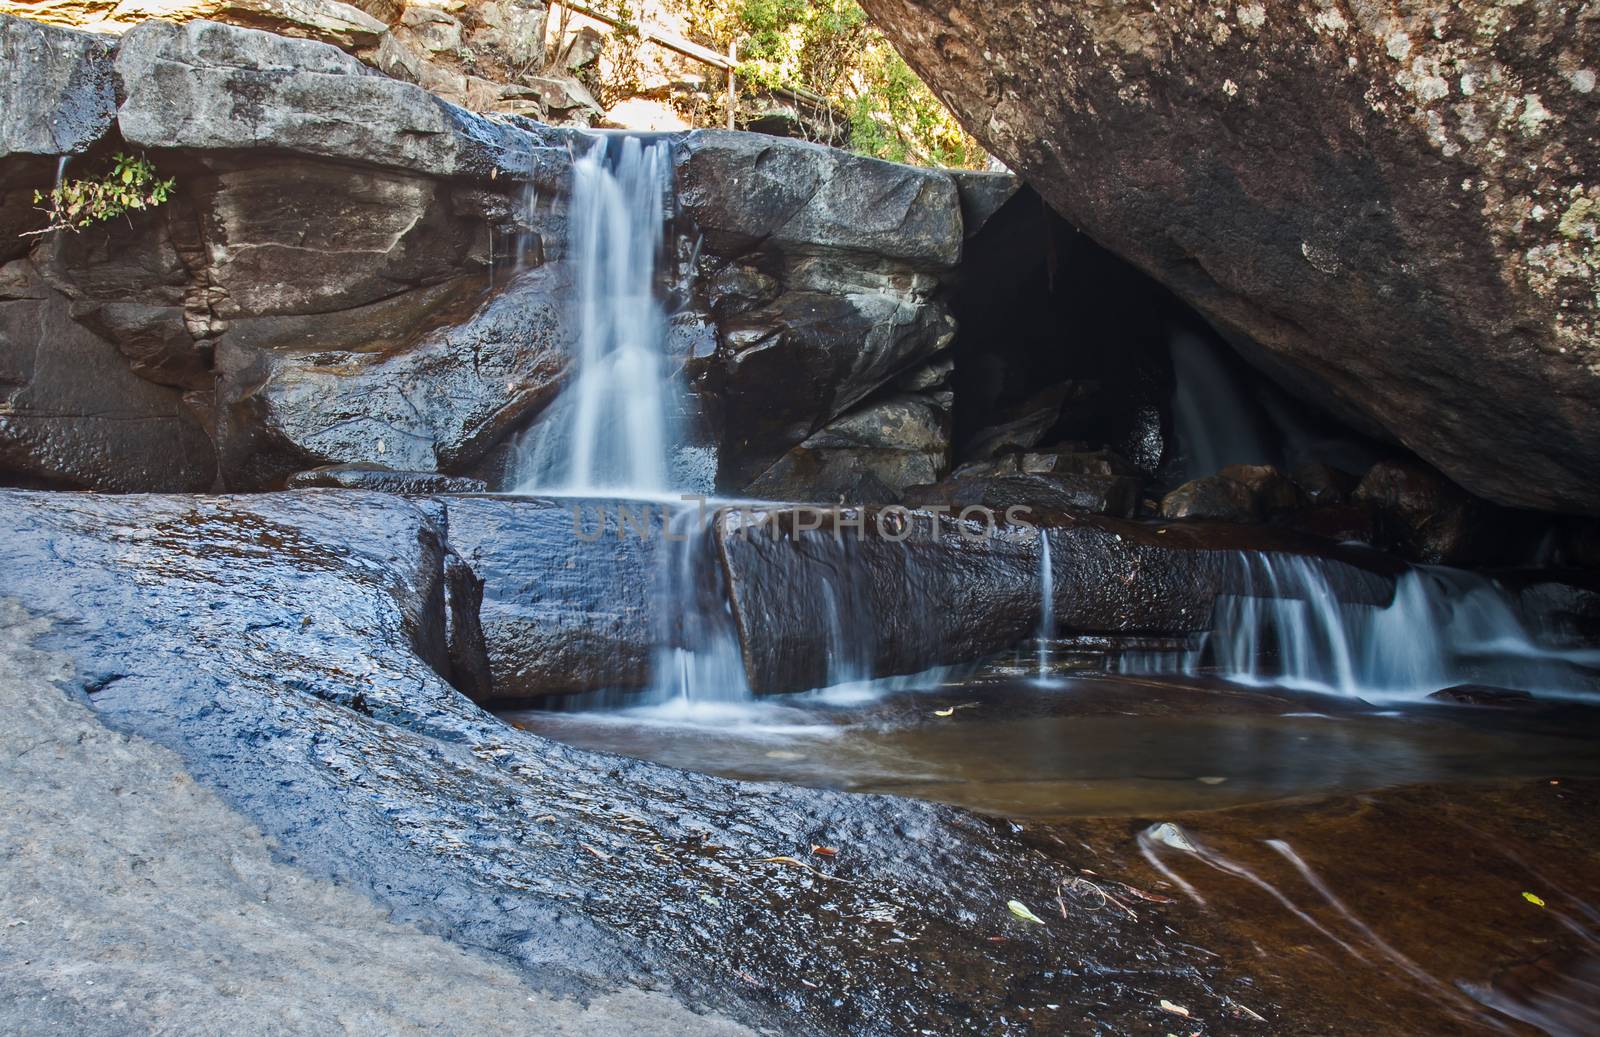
(608, 432)
(1217, 421)
(697, 657)
(1047, 606)
(1288, 627)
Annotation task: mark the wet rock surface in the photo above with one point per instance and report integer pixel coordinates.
(273, 642)
(568, 601)
(137, 901)
(1389, 211)
(382, 480)
(919, 589)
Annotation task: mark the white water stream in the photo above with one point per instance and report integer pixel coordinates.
(1444, 627)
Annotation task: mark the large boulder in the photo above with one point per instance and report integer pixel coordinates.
(206, 85)
(66, 78)
(746, 191)
(439, 403)
(1390, 209)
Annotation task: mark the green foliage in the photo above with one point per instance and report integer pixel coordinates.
(130, 185)
(828, 47)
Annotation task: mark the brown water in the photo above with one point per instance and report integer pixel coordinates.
(1364, 870)
(1087, 745)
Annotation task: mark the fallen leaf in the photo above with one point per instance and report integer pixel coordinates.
(1168, 1006)
(600, 854)
(1020, 909)
(824, 851)
(1533, 899)
(945, 712)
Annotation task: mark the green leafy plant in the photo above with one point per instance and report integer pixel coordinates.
(131, 184)
(828, 47)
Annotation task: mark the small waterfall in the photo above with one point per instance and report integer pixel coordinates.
(1217, 421)
(1047, 606)
(697, 659)
(1288, 627)
(608, 431)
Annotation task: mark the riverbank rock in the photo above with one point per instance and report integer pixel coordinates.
(73, 414)
(279, 645)
(569, 598)
(1391, 211)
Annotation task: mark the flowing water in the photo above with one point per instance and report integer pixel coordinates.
(608, 432)
(1047, 608)
(1444, 628)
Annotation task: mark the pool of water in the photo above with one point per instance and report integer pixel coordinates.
(1002, 743)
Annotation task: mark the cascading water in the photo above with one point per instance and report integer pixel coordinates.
(1443, 628)
(608, 432)
(1216, 419)
(1047, 606)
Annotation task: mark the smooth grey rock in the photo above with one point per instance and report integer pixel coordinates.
(746, 190)
(205, 85)
(568, 602)
(868, 456)
(436, 404)
(56, 90)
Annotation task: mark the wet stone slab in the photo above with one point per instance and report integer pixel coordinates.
(277, 643)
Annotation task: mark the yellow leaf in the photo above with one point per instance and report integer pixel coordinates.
(1531, 898)
(1020, 909)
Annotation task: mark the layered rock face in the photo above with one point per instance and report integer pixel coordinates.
(353, 271)
(1390, 211)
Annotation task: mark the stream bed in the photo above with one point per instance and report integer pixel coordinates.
(1001, 742)
(1437, 858)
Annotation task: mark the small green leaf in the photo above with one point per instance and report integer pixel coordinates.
(1533, 899)
(1020, 909)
